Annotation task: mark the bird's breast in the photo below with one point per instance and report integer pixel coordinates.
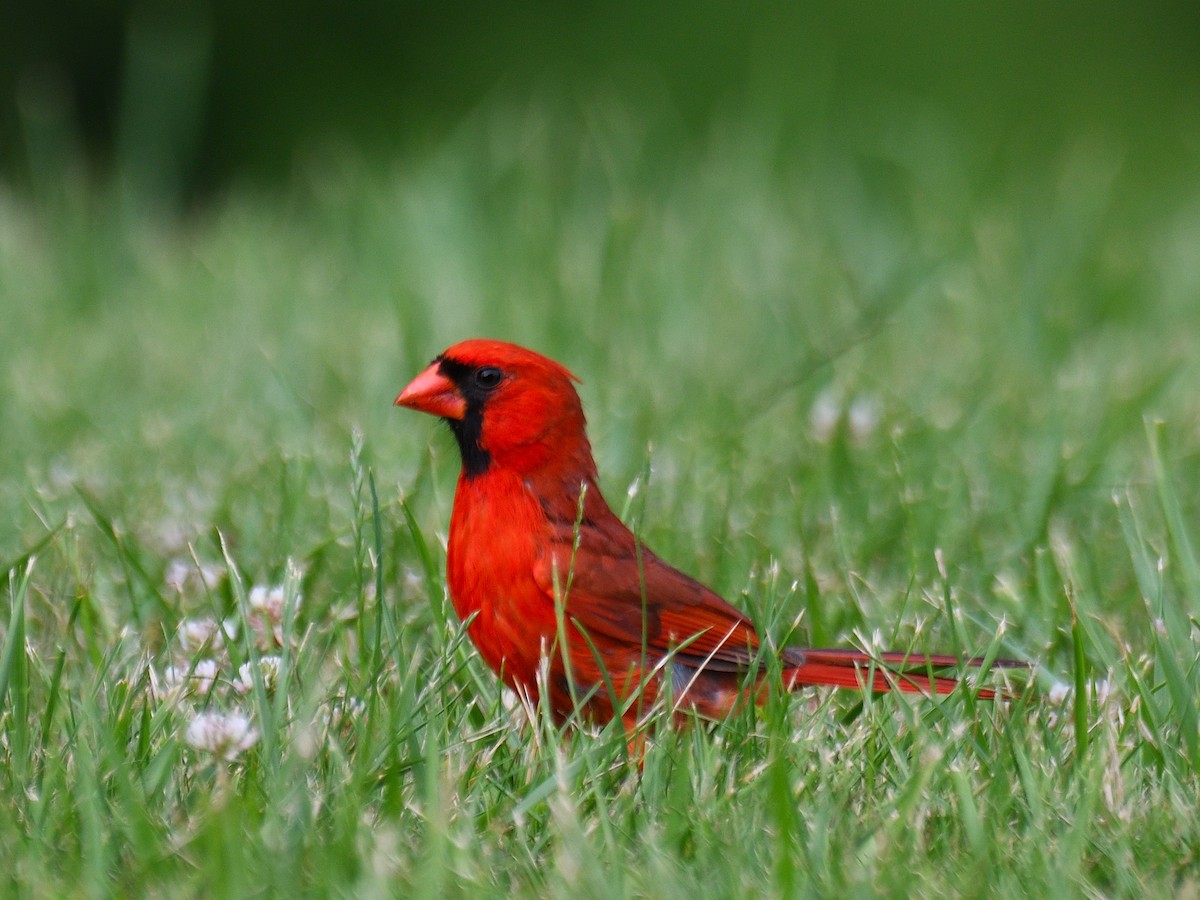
(498, 532)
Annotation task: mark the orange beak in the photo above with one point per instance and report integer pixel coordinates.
(432, 392)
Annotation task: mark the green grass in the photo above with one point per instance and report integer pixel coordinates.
(887, 384)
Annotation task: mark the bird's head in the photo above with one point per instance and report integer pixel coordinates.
(506, 405)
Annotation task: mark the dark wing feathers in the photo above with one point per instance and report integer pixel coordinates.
(625, 594)
(631, 599)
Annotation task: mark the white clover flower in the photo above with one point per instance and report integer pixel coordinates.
(167, 687)
(180, 571)
(191, 680)
(225, 735)
(266, 615)
(1102, 691)
(212, 576)
(268, 601)
(268, 670)
(1059, 692)
(824, 415)
(340, 711)
(200, 634)
(173, 676)
(204, 675)
(177, 574)
(414, 583)
(863, 418)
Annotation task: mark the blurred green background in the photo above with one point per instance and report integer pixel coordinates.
(185, 97)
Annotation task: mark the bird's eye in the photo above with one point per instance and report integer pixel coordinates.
(488, 377)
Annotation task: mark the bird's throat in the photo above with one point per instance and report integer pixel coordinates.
(467, 432)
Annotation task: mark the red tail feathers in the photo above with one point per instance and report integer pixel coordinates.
(890, 671)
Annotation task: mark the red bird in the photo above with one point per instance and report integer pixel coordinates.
(537, 559)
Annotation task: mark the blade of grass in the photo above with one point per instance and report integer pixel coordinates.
(142, 605)
(1079, 705)
(1177, 530)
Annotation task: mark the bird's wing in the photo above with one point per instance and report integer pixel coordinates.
(623, 592)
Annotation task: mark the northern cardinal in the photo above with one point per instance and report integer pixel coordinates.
(549, 576)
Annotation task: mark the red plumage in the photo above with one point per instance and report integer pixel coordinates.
(531, 537)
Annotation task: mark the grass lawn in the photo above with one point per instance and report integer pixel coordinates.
(896, 387)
